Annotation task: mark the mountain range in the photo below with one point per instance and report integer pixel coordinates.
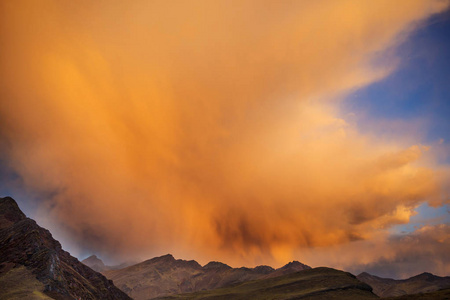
(163, 277)
(166, 275)
(422, 283)
(33, 265)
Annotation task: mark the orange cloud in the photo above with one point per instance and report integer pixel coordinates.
(208, 129)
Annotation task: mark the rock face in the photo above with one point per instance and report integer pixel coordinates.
(29, 253)
(422, 283)
(166, 275)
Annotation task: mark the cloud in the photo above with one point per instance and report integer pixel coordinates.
(421, 251)
(397, 256)
(424, 250)
(207, 129)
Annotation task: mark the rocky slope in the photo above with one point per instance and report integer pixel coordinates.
(387, 287)
(34, 266)
(166, 275)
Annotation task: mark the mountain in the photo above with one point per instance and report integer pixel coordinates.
(317, 283)
(422, 283)
(166, 275)
(95, 263)
(33, 264)
(291, 267)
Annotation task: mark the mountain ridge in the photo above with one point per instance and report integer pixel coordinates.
(30, 252)
(421, 283)
(165, 275)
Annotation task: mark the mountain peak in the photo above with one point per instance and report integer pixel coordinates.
(263, 269)
(366, 275)
(10, 212)
(425, 276)
(94, 263)
(295, 265)
(164, 259)
(291, 267)
(167, 256)
(93, 257)
(216, 265)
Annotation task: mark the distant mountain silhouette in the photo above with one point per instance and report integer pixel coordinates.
(95, 263)
(422, 283)
(34, 266)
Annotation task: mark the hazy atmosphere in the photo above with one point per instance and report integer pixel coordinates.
(247, 132)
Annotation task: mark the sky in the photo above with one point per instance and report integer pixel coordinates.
(247, 132)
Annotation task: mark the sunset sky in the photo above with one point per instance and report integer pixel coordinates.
(247, 132)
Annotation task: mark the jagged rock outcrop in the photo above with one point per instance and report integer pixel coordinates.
(28, 252)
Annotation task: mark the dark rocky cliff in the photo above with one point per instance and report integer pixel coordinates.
(23, 243)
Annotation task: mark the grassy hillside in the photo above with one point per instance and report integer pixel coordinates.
(318, 283)
(19, 283)
(437, 295)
